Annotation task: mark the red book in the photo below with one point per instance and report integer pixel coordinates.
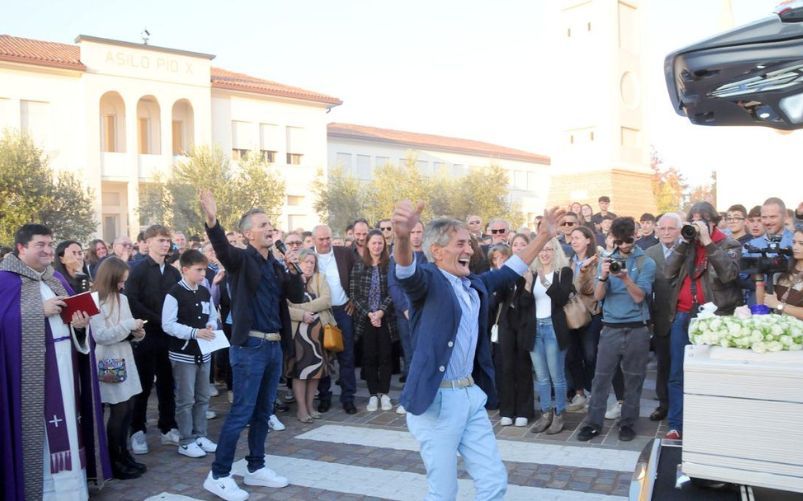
(79, 302)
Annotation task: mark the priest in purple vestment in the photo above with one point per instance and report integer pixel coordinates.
(52, 440)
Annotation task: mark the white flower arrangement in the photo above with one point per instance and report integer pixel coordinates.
(760, 333)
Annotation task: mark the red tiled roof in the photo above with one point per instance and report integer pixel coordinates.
(40, 53)
(454, 144)
(225, 79)
(59, 55)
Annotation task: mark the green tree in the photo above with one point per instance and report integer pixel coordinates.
(668, 184)
(340, 199)
(30, 191)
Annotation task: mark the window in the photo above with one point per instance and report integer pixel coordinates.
(178, 137)
(268, 156)
(439, 168)
(532, 181)
(296, 145)
(458, 170)
(110, 133)
(381, 161)
(238, 153)
(295, 200)
(242, 136)
(343, 160)
(423, 167)
(520, 179)
(35, 120)
(363, 166)
(294, 158)
(110, 225)
(144, 135)
(270, 138)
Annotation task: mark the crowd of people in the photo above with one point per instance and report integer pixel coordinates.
(535, 323)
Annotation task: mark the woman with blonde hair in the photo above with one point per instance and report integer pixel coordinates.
(112, 330)
(308, 362)
(551, 287)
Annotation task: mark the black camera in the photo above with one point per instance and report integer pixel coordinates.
(770, 259)
(688, 232)
(617, 265)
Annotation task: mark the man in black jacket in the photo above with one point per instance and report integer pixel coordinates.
(148, 282)
(260, 289)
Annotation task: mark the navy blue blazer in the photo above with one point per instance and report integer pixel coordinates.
(434, 320)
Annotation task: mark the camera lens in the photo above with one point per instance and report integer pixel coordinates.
(688, 232)
(616, 267)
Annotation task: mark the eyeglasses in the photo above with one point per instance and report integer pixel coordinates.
(474, 222)
(294, 243)
(568, 223)
(498, 232)
(734, 219)
(547, 249)
(387, 228)
(628, 240)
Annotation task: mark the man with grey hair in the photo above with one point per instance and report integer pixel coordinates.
(336, 263)
(123, 248)
(499, 230)
(445, 402)
(260, 289)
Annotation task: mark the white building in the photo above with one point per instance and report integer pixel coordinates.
(117, 113)
(359, 149)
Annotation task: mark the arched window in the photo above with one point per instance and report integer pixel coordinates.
(148, 130)
(183, 127)
(112, 123)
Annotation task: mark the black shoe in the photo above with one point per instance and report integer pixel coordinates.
(122, 471)
(658, 414)
(280, 407)
(349, 408)
(130, 461)
(403, 378)
(626, 433)
(324, 404)
(588, 432)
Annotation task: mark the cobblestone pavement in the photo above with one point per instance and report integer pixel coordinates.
(370, 455)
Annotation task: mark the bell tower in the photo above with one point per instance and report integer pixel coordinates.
(601, 146)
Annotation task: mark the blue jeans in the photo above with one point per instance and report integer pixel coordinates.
(456, 421)
(679, 338)
(549, 360)
(256, 367)
(345, 360)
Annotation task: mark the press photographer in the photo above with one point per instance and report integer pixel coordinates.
(704, 267)
(770, 253)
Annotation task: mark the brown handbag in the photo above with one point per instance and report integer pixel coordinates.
(577, 315)
(332, 338)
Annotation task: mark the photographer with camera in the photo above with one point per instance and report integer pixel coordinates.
(624, 282)
(767, 254)
(704, 267)
(788, 296)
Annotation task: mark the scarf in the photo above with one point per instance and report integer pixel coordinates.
(34, 379)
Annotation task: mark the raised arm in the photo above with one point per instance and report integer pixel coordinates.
(546, 232)
(231, 257)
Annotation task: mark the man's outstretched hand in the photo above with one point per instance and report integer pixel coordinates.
(208, 207)
(549, 224)
(405, 217)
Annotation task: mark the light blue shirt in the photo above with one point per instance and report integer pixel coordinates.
(461, 362)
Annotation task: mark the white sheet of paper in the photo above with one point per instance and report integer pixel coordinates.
(218, 343)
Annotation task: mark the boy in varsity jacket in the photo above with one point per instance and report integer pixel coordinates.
(187, 315)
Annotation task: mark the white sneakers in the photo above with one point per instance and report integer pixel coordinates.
(614, 411)
(225, 488)
(206, 444)
(373, 404)
(505, 421)
(191, 450)
(138, 443)
(172, 437)
(274, 423)
(385, 404)
(382, 402)
(520, 421)
(213, 391)
(577, 403)
(401, 410)
(265, 477)
(211, 414)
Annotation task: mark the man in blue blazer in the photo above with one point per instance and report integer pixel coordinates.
(451, 374)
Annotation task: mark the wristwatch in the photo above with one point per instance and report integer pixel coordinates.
(779, 308)
(602, 279)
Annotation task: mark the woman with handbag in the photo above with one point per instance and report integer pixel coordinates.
(308, 362)
(119, 380)
(581, 356)
(551, 287)
(515, 339)
(373, 318)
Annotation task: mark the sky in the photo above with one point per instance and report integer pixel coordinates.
(477, 69)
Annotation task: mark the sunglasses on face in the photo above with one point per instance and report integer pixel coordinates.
(386, 228)
(628, 240)
(568, 223)
(498, 232)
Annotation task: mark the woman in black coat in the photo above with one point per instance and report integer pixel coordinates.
(551, 288)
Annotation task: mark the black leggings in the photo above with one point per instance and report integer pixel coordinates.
(117, 425)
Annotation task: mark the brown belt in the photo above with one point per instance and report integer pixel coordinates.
(267, 336)
(455, 384)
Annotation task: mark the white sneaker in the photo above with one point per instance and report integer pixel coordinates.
(385, 404)
(211, 414)
(401, 410)
(521, 421)
(172, 437)
(373, 404)
(274, 423)
(577, 404)
(191, 450)
(505, 421)
(206, 444)
(265, 476)
(138, 443)
(225, 487)
(213, 391)
(614, 411)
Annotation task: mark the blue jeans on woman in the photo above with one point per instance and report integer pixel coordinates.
(549, 362)
(678, 339)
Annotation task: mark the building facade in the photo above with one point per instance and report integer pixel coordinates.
(120, 114)
(359, 149)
